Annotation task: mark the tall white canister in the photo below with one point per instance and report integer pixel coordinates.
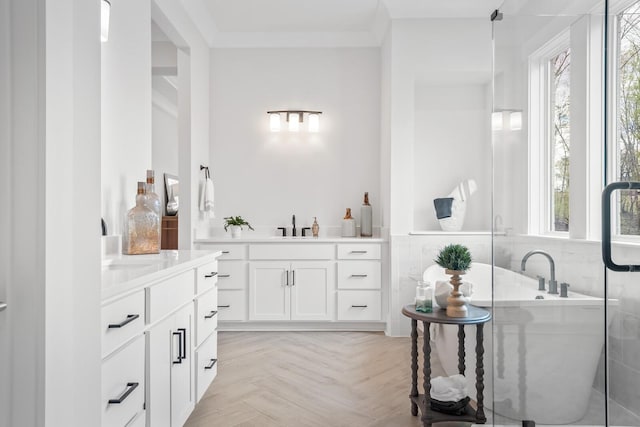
(348, 225)
(366, 229)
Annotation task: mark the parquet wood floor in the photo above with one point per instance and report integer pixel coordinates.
(300, 379)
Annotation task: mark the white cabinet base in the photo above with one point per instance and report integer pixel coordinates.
(288, 325)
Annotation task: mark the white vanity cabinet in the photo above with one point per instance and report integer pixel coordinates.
(155, 333)
(268, 283)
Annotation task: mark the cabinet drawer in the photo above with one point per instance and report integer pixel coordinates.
(229, 251)
(121, 321)
(232, 275)
(206, 315)
(232, 305)
(207, 276)
(166, 296)
(123, 381)
(359, 251)
(292, 252)
(358, 275)
(359, 305)
(206, 365)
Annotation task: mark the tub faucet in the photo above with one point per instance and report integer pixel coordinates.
(553, 285)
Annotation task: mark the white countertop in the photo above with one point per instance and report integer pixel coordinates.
(125, 273)
(290, 239)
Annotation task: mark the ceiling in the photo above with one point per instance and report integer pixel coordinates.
(320, 23)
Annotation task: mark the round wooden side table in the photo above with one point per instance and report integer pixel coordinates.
(477, 316)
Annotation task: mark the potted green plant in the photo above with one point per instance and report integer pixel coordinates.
(235, 223)
(456, 260)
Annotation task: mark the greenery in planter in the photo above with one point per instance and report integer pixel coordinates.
(235, 220)
(454, 257)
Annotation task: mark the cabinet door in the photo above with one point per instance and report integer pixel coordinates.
(312, 290)
(182, 385)
(170, 393)
(160, 353)
(269, 296)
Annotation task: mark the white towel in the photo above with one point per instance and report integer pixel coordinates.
(206, 198)
(449, 389)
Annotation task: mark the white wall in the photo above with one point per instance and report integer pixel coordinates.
(126, 109)
(72, 210)
(266, 177)
(437, 51)
(452, 145)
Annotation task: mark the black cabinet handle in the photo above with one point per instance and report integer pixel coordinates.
(359, 306)
(225, 252)
(179, 334)
(358, 275)
(211, 314)
(224, 276)
(183, 341)
(210, 365)
(293, 281)
(224, 306)
(123, 396)
(287, 277)
(210, 275)
(130, 318)
(358, 252)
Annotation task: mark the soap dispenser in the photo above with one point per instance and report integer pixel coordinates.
(315, 228)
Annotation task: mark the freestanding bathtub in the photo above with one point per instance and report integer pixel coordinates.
(545, 351)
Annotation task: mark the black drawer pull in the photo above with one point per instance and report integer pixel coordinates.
(224, 276)
(225, 252)
(210, 275)
(359, 275)
(130, 318)
(224, 306)
(211, 314)
(359, 306)
(358, 252)
(127, 392)
(183, 347)
(179, 334)
(210, 365)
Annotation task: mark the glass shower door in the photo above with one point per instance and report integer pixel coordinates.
(549, 300)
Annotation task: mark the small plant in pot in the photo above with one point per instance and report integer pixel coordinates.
(235, 223)
(456, 260)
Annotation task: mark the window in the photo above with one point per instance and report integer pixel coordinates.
(626, 155)
(559, 142)
(550, 136)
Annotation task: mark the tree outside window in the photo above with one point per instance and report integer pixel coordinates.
(628, 140)
(560, 66)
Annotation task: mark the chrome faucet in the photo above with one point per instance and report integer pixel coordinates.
(553, 285)
(293, 222)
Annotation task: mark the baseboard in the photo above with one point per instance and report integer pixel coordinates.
(300, 326)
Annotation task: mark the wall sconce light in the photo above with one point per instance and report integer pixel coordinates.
(105, 12)
(294, 119)
(506, 120)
